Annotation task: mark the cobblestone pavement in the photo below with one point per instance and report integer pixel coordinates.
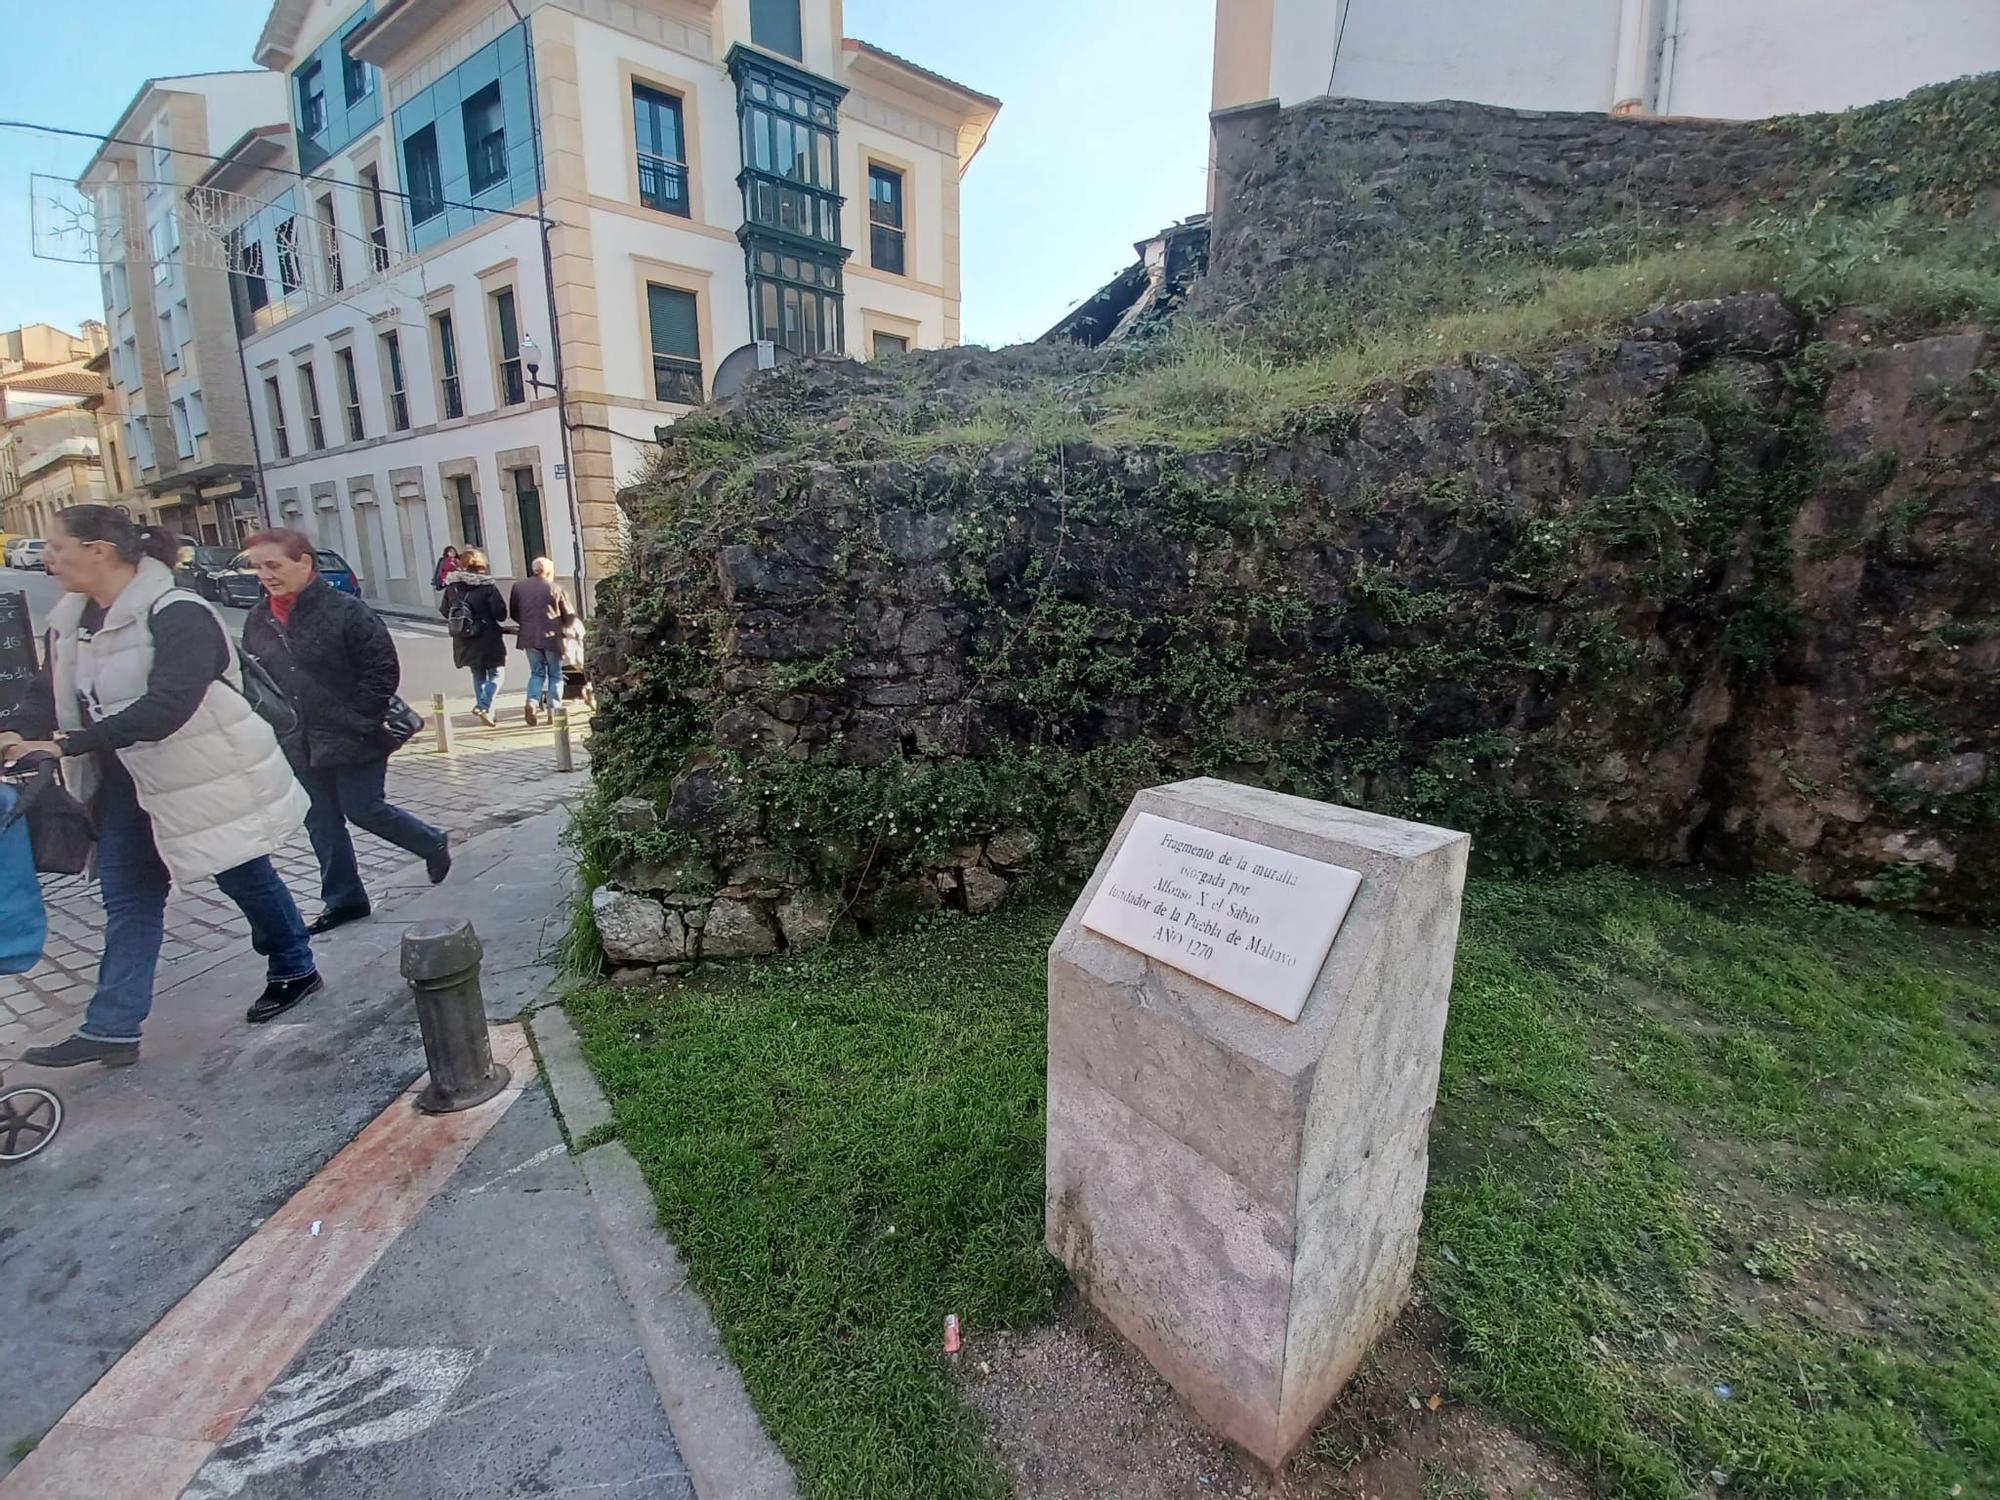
(492, 777)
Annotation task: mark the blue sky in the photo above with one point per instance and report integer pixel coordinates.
(1103, 138)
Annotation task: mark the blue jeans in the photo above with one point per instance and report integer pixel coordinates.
(134, 884)
(353, 794)
(485, 685)
(544, 677)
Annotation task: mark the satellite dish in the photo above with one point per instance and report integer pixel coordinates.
(740, 364)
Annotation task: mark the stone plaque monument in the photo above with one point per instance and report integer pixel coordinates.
(1246, 1016)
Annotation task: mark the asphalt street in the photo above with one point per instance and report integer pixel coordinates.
(424, 648)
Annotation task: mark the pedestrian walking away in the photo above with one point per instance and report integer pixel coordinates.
(447, 564)
(334, 659)
(542, 613)
(143, 699)
(476, 616)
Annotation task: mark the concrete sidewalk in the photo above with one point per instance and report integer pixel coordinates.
(484, 1349)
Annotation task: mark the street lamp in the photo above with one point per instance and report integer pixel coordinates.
(531, 361)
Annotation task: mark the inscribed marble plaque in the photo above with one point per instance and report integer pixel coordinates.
(1242, 916)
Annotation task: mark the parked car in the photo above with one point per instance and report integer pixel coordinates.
(27, 553)
(201, 569)
(237, 586)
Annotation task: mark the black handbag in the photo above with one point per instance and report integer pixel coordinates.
(401, 723)
(59, 829)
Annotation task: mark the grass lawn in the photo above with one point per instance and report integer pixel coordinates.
(1715, 1184)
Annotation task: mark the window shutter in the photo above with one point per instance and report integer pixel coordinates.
(775, 24)
(671, 312)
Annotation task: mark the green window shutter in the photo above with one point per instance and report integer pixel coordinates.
(775, 24)
(671, 312)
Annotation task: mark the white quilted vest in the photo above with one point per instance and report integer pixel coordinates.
(219, 790)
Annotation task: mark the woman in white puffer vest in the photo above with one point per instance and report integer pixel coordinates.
(182, 778)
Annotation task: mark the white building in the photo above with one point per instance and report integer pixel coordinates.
(1729, 59)
(173, 372)
(710, 172)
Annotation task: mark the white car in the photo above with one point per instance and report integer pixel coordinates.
(26, 552)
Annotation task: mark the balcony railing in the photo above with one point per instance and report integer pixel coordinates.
(453, 407)
(663, 184)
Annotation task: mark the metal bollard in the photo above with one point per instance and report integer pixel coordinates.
(565, 756)
(443, 721)
(441, 961)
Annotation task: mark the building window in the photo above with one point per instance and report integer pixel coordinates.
(447, 358)
(170, 347)
(676, 344)
(795, 299)
(354, 79)
(422, 175)
(885, 219)
(791, 178)
(165, 236)
(775, 24)
(276, 402)
(312, 100)
(378, 217)
(256, 291)
(309, 396)
(512, 391)
(183, 439)
(528, 511)
(485, 139)
(329, 242)
(885, 344)
(657, 126)
(350, 393)
(470, 532)
(288, 256)
(399, 401)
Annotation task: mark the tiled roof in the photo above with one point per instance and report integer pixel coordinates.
(62, 383)
(857, 45)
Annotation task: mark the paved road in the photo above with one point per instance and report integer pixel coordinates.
(424, 648)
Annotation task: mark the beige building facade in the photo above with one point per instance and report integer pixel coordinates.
(173, 371)
(430, 367)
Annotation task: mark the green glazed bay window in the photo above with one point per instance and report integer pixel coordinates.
(676, 336)
(795, 299)
(791, 175)
(656, 126)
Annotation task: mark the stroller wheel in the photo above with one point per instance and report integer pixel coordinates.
(29, 1120)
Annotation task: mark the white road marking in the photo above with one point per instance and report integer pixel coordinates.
(301, 1419)
(534, 1161)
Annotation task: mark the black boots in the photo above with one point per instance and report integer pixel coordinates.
(280, 995)
(77, 1050)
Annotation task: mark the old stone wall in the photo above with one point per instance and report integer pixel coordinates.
(1333, 188)
(1712, 588)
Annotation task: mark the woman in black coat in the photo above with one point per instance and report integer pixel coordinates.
(333, 657)
(476, 613)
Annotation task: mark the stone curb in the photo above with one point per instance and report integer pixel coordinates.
(728, 1454)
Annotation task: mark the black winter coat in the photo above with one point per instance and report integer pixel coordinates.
(487, 647)
(338, 666)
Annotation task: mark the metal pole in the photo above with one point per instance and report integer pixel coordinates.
(443, 722)
(565, 756)
(441, 961)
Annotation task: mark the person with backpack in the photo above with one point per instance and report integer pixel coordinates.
(476, 616)
(184, 780)
(335, 662)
